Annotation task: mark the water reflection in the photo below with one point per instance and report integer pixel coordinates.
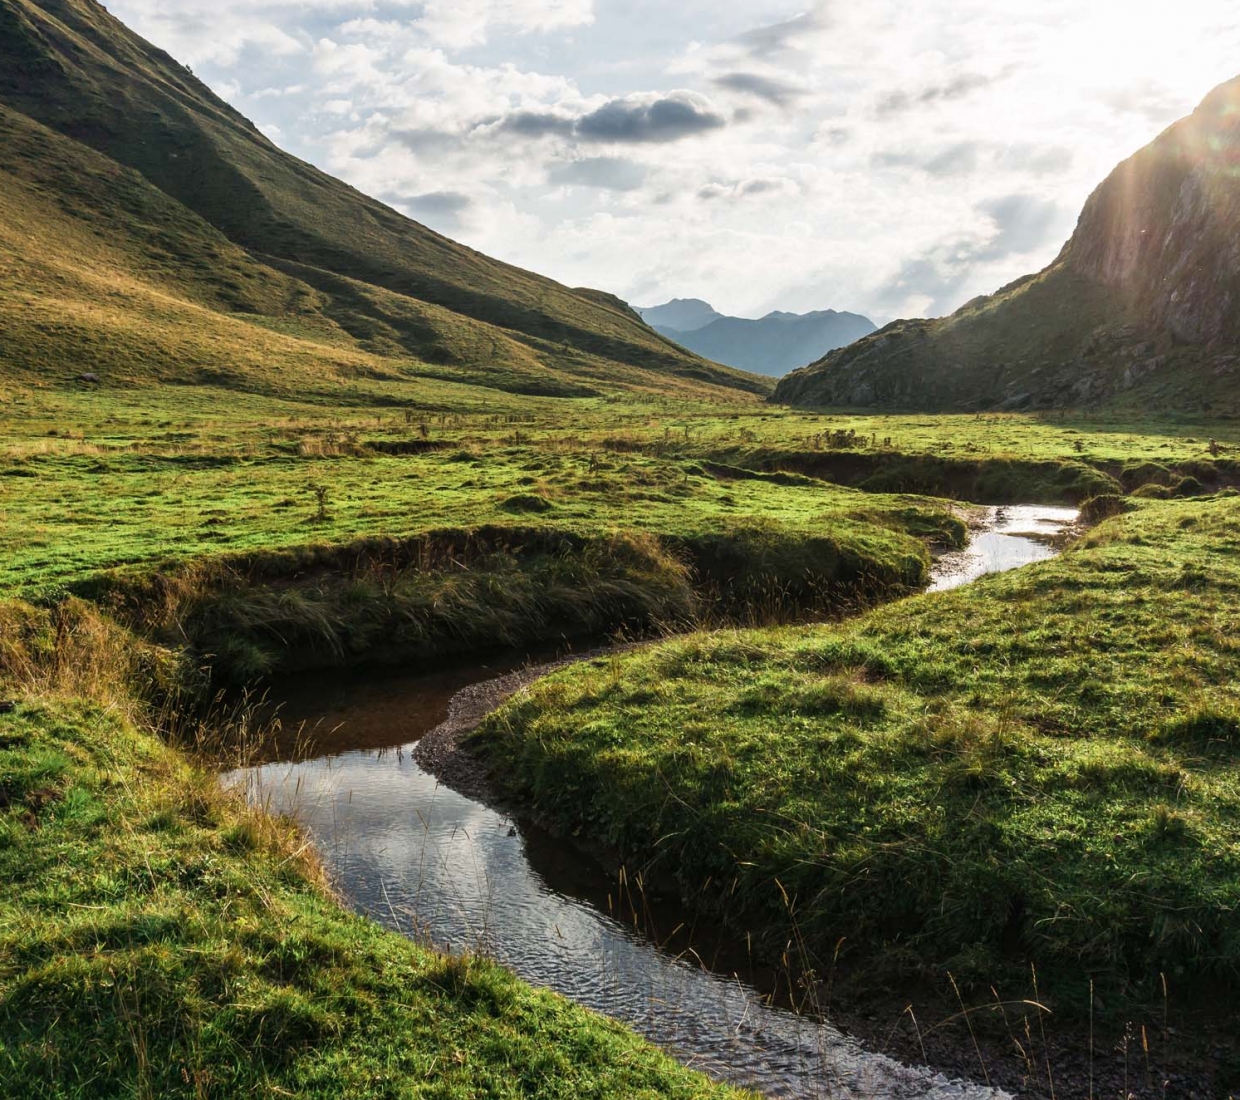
(430, 863)
(1012, 536)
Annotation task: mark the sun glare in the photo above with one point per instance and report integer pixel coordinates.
(1117, 44)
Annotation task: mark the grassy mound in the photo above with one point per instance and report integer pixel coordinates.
(159, 939)
(461, 590)
(1042, 765)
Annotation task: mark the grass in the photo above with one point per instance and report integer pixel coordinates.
(1040, 766)
(112, 478)
(71, 511)
(254, 531)
(157, 938)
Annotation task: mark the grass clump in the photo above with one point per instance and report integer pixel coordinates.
(1098, 508)
(950, 783)
(526, 502)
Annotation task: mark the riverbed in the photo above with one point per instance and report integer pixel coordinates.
(431, 863)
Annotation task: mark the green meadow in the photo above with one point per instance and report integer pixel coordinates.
(157, 938)
(253, 421)
(1037, 768)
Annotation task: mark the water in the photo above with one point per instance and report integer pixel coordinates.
(432, 864)
(1011, 536)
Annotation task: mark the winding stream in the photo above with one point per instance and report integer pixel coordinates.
(428, 862)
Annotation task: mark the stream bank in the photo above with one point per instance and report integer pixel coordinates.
(438, 864)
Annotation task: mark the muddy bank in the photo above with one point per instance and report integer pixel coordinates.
(440, 752)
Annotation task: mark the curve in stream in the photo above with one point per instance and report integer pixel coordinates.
(428, 862)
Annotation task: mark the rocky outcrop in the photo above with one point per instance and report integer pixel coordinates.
(1163, 227)
(1143, 302)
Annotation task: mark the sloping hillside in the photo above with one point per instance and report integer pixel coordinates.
(1141, 307)
(290, 243)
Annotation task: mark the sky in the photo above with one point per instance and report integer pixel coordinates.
(890, 157)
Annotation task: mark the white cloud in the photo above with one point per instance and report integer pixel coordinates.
(457, 24)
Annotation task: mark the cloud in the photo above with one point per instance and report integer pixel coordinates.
(747, 188)
(634, 119)
(637, 119)
(1147, 98)
(1037, 160)
(960, 159)
(732, 146)
(935, 281)
(1023, 222)
(779, 92)
(459, 24)
(775, 38)
(965, 84)
(533, 124)
(444, 210)
(440, 202)
(607, 173)
(966, 158)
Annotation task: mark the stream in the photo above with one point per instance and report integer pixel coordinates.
(430, 863)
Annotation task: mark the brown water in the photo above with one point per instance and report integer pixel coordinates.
(432, 864)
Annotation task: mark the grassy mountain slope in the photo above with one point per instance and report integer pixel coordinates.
(289, 242)
(1141, 308)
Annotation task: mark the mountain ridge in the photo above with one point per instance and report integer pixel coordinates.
(1141, 305)
(772, 345)
(394, 287)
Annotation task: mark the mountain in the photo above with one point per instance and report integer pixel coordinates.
(119, 149)
(1141, 308)
(773, 345)
(680, 315)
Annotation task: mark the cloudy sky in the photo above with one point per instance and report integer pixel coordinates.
(894, 157)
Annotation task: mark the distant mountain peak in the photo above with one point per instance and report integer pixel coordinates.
(772, 345)
(680, 314)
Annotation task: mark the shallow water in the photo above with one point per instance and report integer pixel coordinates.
(429, 863)
(1011, 536)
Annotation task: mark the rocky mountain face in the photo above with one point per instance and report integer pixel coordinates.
(771, 345)
(1141, 307)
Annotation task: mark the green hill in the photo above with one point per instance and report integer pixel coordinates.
(154, 230)
(1141, 309)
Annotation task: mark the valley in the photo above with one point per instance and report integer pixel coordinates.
(872, 733)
